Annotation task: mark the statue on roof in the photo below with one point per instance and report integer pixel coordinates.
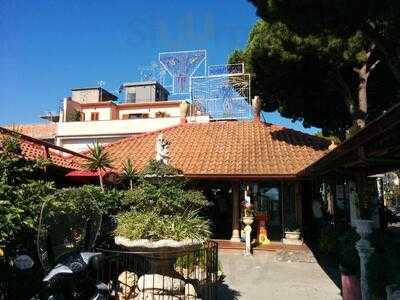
(162, 149)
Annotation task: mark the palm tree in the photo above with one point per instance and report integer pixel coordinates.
(99, 161)
(129, 172)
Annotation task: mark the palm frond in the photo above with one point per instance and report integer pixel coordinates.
(99, 158)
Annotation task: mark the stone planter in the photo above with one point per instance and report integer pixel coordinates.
(292, 238)
(248, 220)
(161, 255)
(292, 235)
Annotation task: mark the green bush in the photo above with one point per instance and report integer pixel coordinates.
(161, 189)
(327, 241)
(348, 255)
(153, 226)
(384, 264)
(165, 198)
(21, 196)
(108, 201)
(161, 207)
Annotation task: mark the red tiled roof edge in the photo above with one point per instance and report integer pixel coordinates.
(33, 149)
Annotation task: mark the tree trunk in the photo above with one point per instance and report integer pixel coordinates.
(131, 184)
(388, 49)
(359, 120)
(101, 181)
(363, 74)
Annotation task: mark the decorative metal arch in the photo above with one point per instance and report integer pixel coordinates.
(222, 96)
(181, 65)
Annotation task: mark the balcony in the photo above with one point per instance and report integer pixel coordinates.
(114, 127)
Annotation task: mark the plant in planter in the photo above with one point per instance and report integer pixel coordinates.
(349, 264)
(162, 213)
(384, 264)
(162, 223)
(293, 232)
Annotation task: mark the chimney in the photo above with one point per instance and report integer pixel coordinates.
(256, 104)
(183, 108)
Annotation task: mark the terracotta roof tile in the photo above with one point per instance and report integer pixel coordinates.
(38, 131)
(34, 149)
(231, 148)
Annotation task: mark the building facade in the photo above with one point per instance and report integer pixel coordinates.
(92, 115)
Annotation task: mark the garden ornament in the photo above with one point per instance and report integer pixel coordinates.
(162, 149)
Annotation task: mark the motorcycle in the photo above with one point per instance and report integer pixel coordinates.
(66, 246)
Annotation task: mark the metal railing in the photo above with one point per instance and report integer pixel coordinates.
(164, 275)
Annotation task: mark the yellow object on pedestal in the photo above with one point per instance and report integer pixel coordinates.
(262, 234)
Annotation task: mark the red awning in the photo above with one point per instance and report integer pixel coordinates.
(86, 173)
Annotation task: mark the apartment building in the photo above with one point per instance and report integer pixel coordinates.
(93, 114)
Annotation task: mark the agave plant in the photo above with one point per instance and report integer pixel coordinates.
(99, 161)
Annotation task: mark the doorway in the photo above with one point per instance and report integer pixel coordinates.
(268, 202)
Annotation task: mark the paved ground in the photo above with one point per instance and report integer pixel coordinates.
(262, 277)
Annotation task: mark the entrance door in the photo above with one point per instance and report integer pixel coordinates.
(269, 202)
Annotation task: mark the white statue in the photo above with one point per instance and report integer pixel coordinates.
(354, 209)
(162, 149)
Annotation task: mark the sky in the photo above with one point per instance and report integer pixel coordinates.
(49, 47)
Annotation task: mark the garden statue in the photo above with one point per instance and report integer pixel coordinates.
(162, 149)
(248, 219)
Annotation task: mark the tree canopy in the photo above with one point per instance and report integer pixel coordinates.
(319, 78)
(377, 20)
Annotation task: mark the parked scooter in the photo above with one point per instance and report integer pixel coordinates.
(65, 244)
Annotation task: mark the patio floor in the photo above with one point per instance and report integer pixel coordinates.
(262, 277)
(272, 246)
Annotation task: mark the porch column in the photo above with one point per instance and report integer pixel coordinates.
(235, 212)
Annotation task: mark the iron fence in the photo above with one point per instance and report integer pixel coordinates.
(163, 275)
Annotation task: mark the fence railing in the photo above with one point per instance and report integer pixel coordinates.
(164, 275)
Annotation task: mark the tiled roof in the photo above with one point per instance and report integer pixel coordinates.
(226, 149)
(38, 131)
(34, 149)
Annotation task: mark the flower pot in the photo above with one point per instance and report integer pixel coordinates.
(351, 289)
(363, 227)
(248, 220)
(292, 235)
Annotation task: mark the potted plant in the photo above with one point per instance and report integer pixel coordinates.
(162, 216)
(248, 217)
(293, 232)
(349, 265)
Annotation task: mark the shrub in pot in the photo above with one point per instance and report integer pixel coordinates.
(384, 264)
(293, 232)
(161, 208)
(349, 264)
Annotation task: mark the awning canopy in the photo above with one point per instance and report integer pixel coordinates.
(85, 173)
(374, 149)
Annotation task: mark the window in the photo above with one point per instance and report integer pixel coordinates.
(131, 97)
(161, 114)
(94, 116)
(82, 116)
(135, 116)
